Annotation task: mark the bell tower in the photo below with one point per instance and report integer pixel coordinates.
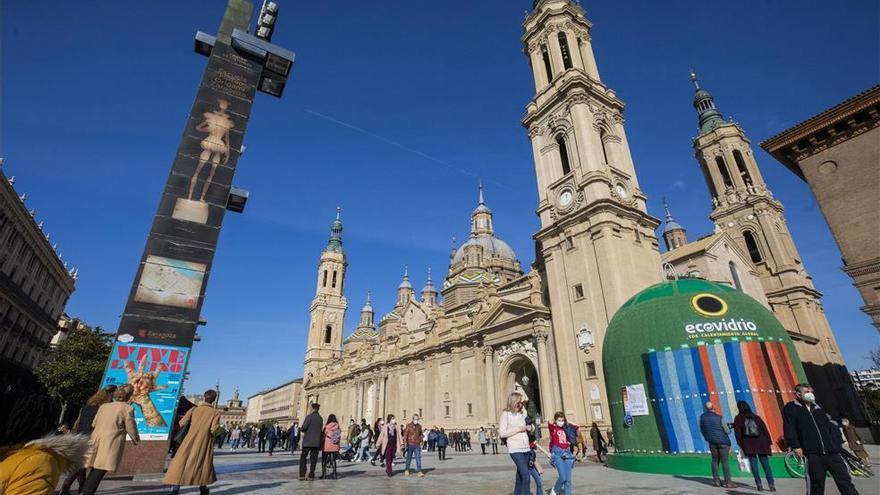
(327, 312)
(744, 207)
(597, 244)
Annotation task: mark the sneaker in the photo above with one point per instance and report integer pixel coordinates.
(406, 473)
(421, 474)
(302, 478)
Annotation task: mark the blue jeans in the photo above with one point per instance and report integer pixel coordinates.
(522, 486)
(539, 481)
(364, 453)
(563, 460)
(765, 463)
(414, 450)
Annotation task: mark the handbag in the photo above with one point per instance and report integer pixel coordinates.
(181, 434)
(744, 465)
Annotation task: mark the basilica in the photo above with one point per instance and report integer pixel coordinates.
(452, 353)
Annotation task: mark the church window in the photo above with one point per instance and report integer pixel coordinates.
(708, 178)
(546, 57)
(563, 47)
(741, 166)
(333, 284)
(602, 135)
(735, 276)
(324, 283)
(328, 334)
(447, 411)
(752, 246)
(591, 369)
(578, 291)
(420, 412)
(470, 408)
(563, 155)
(722, 169)
(569, 242)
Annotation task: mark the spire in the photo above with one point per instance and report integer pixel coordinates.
(368, 306)
(481, 218)
(704, 103)
(481, 193)
(334, 244)
(671, 224)
(453, 251)
(429, 284)
(405, 283)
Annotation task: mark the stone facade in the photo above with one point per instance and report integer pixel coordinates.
(233, 413)
(34, 286)
(838, 154)
(280, 405)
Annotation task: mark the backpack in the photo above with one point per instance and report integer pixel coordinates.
(751, 428)
(334, 437)
(570, 433)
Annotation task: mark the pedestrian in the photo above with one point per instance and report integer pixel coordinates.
(512, 428)
(610, 436)
(536, 471)
(754, 442)
(562, 435)
(432, 439)
(235, 435)
(853, 439)
(442, 443)
(33, 458)
(598, 442)
(83, 426)
(467, 441)
(194, 463)
(364, 439)
(483, 438)
(580, 450)
(272, 438)
(390, 440)
(312, 436)
(353, 431)
(293, 436)
(377, 430)
(493, 439)
(714, 432)
(425, 433)
(412, 437)
(332, 437)
(112, 422)
(812, 437)
(261, 444)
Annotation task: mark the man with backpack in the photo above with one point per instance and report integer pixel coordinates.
(715, 433)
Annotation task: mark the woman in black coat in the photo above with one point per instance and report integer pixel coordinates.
(754, 440)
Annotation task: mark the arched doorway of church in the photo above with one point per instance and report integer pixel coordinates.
(522, 377)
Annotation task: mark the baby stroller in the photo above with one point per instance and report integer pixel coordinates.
(347, 452)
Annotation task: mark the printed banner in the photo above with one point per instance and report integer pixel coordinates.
(155, 372)
(638, 400)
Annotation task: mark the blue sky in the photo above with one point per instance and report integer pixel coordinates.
(395, 109)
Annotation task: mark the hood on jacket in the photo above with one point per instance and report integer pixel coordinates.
(72, 447)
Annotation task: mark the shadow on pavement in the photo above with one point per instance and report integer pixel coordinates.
(737, 490)
(246, 489)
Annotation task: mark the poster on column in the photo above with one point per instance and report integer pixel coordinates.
(637, 400)
(155, 372)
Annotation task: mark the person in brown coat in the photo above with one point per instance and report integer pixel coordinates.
(194, 462)
(390, 440)
(112, 421)
(853, 439)
(754, 440)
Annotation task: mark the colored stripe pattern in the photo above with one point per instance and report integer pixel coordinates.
(682, 380)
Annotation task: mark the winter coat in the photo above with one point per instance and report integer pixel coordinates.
(442, 440)
(810, 429)
(383, 437)
(482, 436)
(111, 423)
(854, 441)
(759, 445)
(712, 428)
(598, 439)
(508, 428)
(194, 462)
(412, 435)
(329, 430)
(36, 467)
(312, 431)
(83, 423)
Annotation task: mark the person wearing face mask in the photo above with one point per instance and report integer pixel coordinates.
(412, 436)
(513, 429)
(814, 438)
(378, 427)
(562, 436)
(390, 440)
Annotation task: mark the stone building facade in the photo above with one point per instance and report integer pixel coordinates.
(233, 413)
(34, 286)
(279, 404)
(501, 328)
(837, 152)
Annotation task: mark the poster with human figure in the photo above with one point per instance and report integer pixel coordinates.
(215, 151)
(155, 372)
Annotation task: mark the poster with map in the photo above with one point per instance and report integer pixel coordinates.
(155, 372)
(170, 282)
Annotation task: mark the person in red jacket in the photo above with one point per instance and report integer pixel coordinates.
(563, 435)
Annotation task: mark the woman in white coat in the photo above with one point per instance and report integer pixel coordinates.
(512, 427)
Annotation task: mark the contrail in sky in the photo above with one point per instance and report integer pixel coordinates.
(403, 147)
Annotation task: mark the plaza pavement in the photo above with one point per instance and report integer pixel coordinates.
(248, 472)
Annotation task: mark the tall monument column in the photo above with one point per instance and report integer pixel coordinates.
(489, 360)
(158, 325)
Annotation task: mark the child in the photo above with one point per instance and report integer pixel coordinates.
(560, 449)
(535, 469)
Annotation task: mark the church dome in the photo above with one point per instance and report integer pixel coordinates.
(492, 246)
